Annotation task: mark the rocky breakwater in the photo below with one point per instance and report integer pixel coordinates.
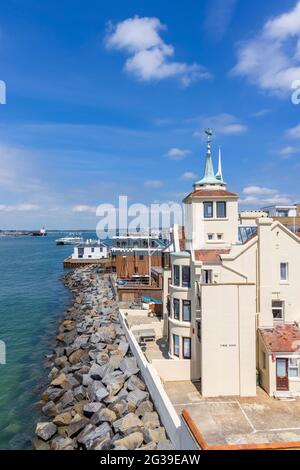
(96, 398)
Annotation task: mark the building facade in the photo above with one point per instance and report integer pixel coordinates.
(90, 250)
(227, 295)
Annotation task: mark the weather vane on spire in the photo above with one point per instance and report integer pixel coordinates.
(209, 133)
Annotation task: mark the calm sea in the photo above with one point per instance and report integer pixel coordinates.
(32, 300)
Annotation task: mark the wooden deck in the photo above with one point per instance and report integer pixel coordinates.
(106, 263)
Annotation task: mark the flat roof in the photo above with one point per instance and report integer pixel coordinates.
(237, 420)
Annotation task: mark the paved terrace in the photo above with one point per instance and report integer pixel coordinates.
(237, 420)
(157, 349)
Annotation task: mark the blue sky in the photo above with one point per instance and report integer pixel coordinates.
(109, 98)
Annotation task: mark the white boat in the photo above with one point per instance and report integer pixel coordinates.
(69, 241)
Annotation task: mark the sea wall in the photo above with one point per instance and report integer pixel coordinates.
(96, 398)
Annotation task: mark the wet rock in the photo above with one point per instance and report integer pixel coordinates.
(52, 394)
(130, 442)
(78, 356)
(45, 430)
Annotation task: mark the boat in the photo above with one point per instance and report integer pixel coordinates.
(69, 241)
(41, 233)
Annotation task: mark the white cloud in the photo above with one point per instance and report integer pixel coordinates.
(84, 208)
(175, 153)
(223, 124)
(153, 184)
(189, 175)
(258, 190)
(287, 151)
(261, 113)
(293, 132)
(150, 57)
(18, 207)
(261, 196)
(271, 59)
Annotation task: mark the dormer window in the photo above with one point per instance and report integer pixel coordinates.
(221, 210)
(208, 210)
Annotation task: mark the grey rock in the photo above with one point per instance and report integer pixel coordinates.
(62, 443)
(151, 420)
(76, 426)
(98, 391)
(134, 383)
(130, 442)
(80, 393)
(45, 430)
(104, 415)
(90, 408)
(123, 348)
(144, 407)
(136, 397)
(39, 444)
(50, 409)
(129, 366)
(67, 399)
(156, 435)
(128, 424)
(95, 372)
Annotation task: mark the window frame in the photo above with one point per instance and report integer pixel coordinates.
(202, 276)
(177, 269)
(284, 263)
(177, 302)
(218, 203)
(185, 303)
(174, 345)
(184, 338)
(205, 205)
(184, 283)
(293, 367)
(277, 319)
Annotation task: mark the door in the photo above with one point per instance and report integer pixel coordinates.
(282, 379)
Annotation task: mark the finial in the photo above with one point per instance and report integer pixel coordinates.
(219, 174)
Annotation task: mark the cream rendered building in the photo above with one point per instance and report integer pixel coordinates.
(234, 303)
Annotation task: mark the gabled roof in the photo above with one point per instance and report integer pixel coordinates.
(210, 256)
(281, 338)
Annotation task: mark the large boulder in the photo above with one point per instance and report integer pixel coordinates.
(45, 430)
(128, 424)
(130, 442)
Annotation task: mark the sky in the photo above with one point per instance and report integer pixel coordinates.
(111, 98)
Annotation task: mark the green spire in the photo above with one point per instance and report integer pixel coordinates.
(209, 174)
